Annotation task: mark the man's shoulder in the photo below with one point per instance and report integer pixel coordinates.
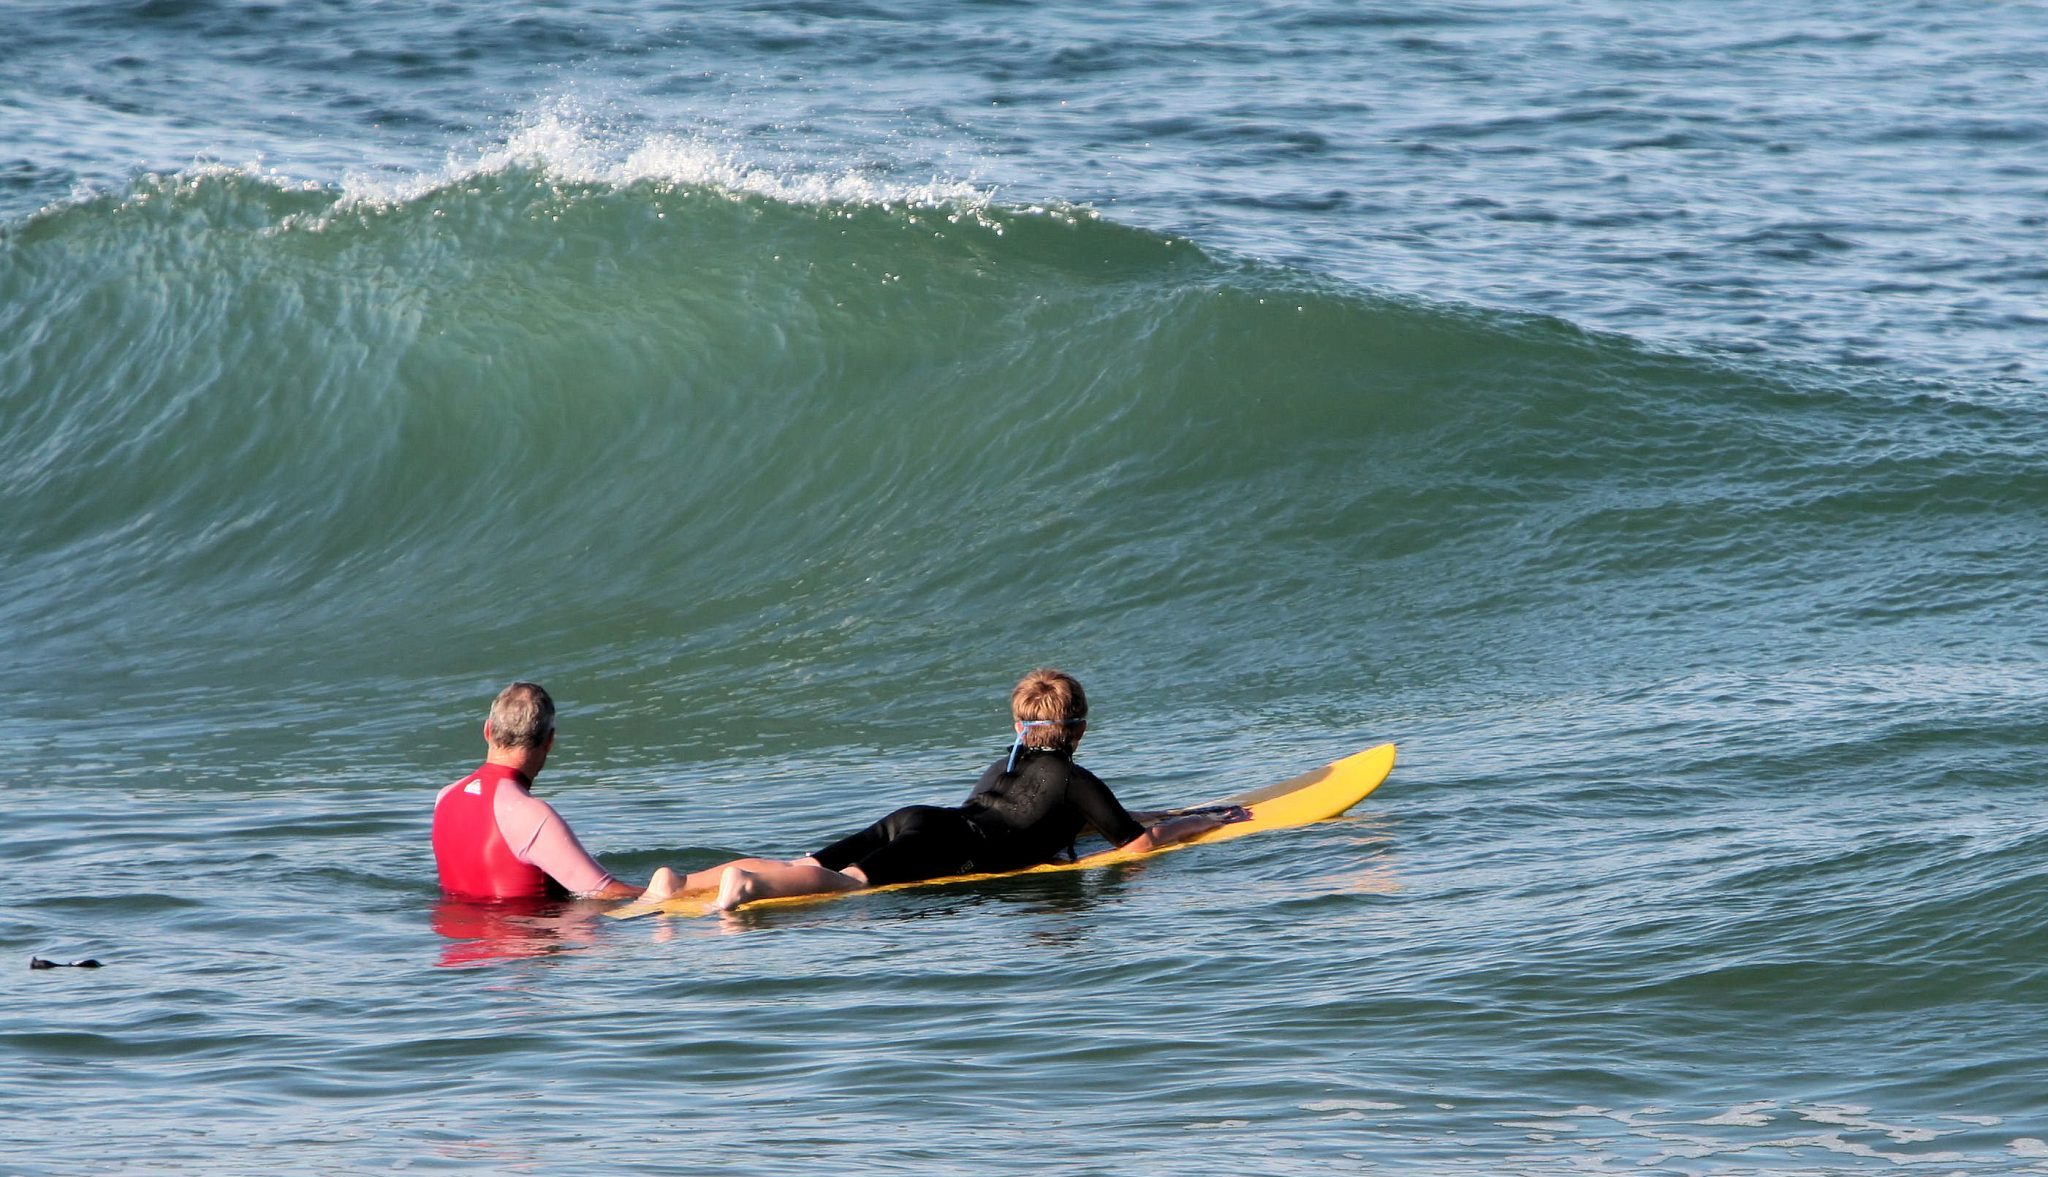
(512, 801)
(472, 778)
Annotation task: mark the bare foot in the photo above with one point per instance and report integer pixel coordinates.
(735, 887)
(664, 884)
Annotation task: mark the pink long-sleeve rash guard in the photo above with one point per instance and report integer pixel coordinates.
(539, 837)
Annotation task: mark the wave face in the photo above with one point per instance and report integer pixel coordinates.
(247, 420)
(240, 410)
(780, 480)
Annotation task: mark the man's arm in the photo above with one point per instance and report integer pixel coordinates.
(539, 836)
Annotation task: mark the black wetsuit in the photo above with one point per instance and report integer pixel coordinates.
(1011, 820)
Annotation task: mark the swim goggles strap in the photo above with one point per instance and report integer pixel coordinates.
(1027, 725)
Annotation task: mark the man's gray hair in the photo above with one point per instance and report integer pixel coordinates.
(522, 716)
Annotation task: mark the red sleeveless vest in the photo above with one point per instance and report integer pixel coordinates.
(473, 857)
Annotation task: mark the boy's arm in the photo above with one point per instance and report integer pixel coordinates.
(1101, 808)
(1180, 829)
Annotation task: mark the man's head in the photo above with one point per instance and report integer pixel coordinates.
(522, 717)
(1054, 703)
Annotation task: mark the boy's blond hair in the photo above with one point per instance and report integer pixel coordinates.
(1053, 698)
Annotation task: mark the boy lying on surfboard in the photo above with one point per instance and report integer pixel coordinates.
(1027, 809)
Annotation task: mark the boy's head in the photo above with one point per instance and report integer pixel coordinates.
(1055, 703)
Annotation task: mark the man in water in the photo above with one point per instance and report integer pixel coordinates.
(493, 839)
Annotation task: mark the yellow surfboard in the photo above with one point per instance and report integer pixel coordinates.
(1313, 796)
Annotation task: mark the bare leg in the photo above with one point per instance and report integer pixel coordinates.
(667, 883)
(746, 881)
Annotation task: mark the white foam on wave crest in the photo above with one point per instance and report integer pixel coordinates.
(187, 183)
(569, 146)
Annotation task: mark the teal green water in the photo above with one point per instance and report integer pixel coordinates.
(778, 408)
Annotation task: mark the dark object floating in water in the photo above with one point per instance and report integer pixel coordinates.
(37, 962)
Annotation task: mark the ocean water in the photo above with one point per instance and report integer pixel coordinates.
(1633, 411)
